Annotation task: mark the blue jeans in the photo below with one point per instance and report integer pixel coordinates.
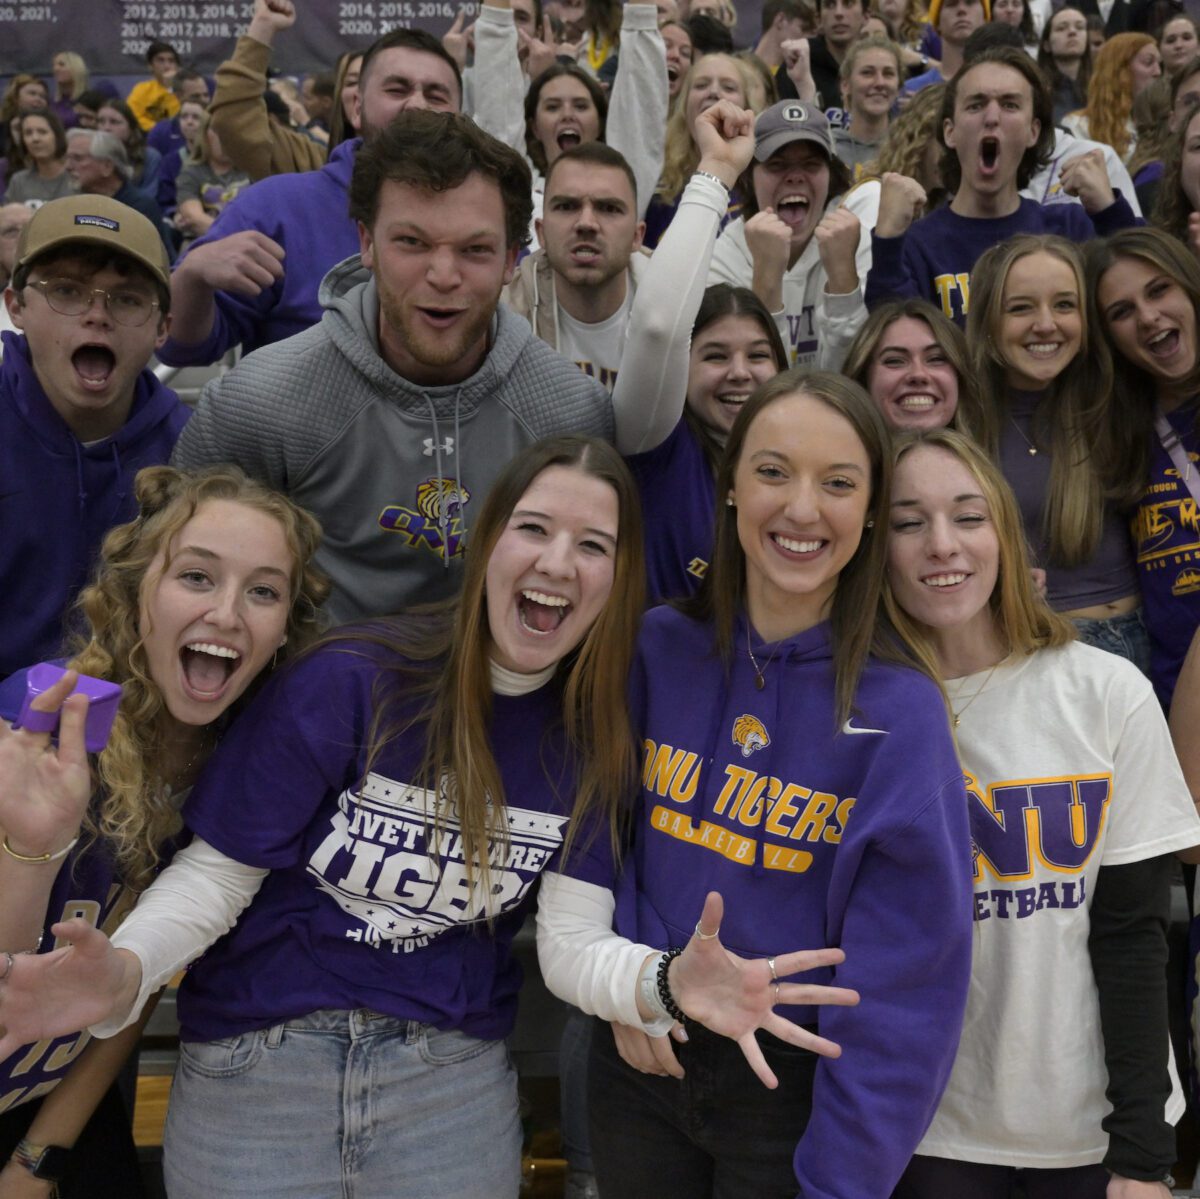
(1124, 635)
(344, 1105)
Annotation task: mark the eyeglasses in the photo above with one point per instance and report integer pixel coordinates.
(71, 298)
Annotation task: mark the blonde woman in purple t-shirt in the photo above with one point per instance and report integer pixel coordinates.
(1045, 379)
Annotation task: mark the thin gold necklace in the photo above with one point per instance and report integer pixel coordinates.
(975, 695)
(1021, 433)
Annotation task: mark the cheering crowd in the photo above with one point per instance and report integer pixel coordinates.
(735, 497)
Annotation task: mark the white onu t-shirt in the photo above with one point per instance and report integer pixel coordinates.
(1070, 768)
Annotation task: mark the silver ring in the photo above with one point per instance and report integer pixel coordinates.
(705, 936)
(8, 965)
(774, 976)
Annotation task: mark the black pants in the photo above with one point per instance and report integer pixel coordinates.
(104, 1163)
(718, 1133)
(941, 1178)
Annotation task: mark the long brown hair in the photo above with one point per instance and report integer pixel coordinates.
(859, 626)
(133, 815)
(722, 300)
(1135, 391)
(443, 661)
(1024, 621)
(1071, 420)
(1172, 207)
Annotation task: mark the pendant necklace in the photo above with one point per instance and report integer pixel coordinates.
(1021, 433)
(759, 681)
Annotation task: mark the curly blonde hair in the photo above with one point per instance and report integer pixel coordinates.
(911, 26)
(134, 816)
(909, 136)
(680, 155)
(1110, 90)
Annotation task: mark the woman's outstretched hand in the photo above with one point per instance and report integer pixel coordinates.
(736, 996)
(51, 994)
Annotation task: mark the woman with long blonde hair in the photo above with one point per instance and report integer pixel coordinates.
(192, 601)
(1046, 383)
(70, 82)
(712, 78)
(1123, 66)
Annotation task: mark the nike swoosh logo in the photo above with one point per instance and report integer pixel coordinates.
(848, 727)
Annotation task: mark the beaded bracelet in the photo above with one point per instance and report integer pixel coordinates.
(664, 987)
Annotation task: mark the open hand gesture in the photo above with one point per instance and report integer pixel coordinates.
(44, 789)
(737, 996)
(52, 994)
(456, 41)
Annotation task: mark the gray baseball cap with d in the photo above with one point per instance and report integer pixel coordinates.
(790, 121)
(97, 221)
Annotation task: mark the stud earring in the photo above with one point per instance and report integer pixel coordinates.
(869, 525)
(729, 502)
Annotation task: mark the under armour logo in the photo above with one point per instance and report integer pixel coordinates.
(447, 446)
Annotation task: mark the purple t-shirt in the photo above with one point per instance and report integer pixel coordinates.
(1166, 534)
(366, 905)
(1110, 573)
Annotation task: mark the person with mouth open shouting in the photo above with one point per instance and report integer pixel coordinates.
(371, 834)
(191, 603)
(997, 130)
(391, 418)
(1144, 285)
(80, 413)
(794, 246)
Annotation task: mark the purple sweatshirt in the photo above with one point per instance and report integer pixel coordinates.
(934, 259)
(59, 497)
(855, 838)
(678, 494)
(365, 906)
(308, 215)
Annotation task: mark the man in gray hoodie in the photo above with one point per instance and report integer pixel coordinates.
(390, 419)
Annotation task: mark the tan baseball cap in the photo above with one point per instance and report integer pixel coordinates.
(96, 221)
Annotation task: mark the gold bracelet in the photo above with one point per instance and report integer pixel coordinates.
(41, 857)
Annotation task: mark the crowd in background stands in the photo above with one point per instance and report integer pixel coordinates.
(892, 315)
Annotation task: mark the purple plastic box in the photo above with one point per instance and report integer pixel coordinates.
(103, 698)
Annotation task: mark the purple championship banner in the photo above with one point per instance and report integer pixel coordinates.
(112, 35)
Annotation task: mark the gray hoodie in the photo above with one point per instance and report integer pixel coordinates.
(393, 471)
